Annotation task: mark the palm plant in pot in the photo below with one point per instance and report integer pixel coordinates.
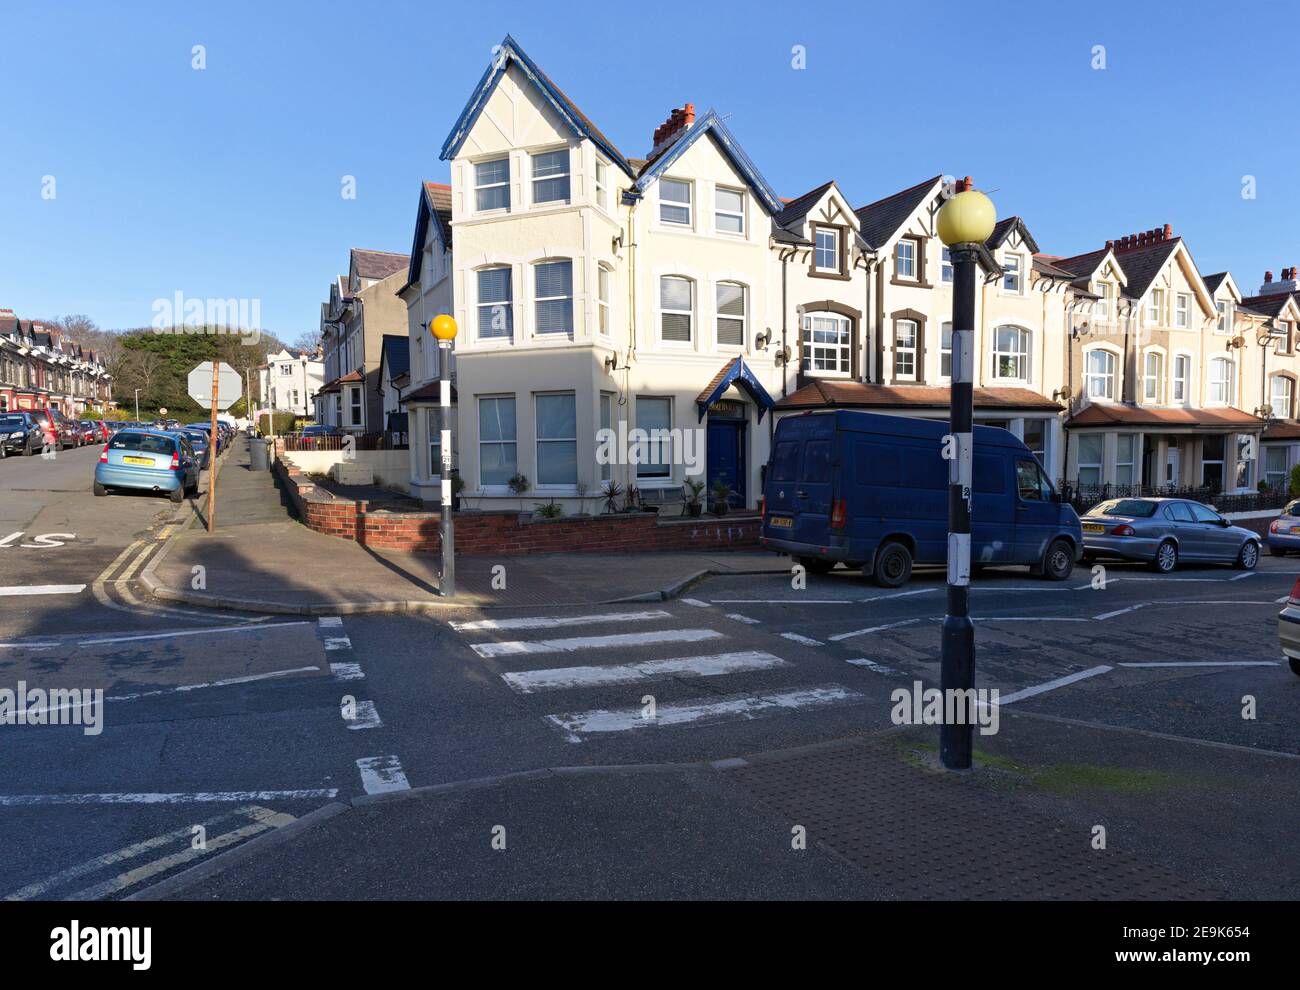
(721, 497)
(691, 500)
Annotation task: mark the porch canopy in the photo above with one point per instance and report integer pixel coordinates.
(842, 394)
(734, 372)
(1161, 420)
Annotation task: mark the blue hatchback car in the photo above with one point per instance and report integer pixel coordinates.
(871, 491)
(148, 460)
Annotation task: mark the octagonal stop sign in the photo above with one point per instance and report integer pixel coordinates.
(229, 385)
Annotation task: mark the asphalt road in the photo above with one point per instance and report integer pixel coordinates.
(221, 726)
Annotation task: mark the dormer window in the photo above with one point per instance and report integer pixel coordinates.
(1011, 274)
(1284, 336)
(1155, 306)
(675, 202)
(946, 267)
(492, 185)
(905, 260)
(827, 250)
(729, 211)
(1182, 303)
(1102, 308)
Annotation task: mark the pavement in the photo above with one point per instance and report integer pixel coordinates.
(259, 558)
(740, 739)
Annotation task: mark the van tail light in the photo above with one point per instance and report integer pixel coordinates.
(176, 460)
(103, 455)
(839, 513)
(762, 506)
(1123, 530)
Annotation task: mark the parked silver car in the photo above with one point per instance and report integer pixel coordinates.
(1165, 531)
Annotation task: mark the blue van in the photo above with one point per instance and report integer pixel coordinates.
(871, 491)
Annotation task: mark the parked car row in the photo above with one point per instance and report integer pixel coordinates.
(141, 457)
(31, 431)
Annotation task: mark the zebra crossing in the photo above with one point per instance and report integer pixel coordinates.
(571, 668)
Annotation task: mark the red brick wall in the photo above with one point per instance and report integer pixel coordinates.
(510, 532)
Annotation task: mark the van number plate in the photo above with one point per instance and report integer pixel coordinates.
(782, 522)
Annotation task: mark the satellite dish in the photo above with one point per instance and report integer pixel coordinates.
(1239, 341)
(1065, 392)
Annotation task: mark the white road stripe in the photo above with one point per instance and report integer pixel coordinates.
(742, 618)
(871, 665)
(175, 797)
(783, 601)
(42, 589)
(1030, 692)
(183, 834)
(805, 640)
(347, 671)
(1026, 618)
(696, 602)
(364, 716)
(527, 682)
(1121, 611)
(899, 594)
(870, 629)
(185, 632)
(329, 621)
(1239, 577)
(555, 621)
(132, 877)
(1204, 663)
(338, 643)
(702, 711)
(381, 774)
(517, 647)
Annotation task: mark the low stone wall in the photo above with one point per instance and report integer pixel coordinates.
(491, 533)
(389, 468)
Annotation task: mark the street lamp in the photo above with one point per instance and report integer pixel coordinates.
(443, 329)
(137, 405)
(965, 222)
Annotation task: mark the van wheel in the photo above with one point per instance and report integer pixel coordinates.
(815, 565)
(1166, 558)
(1058, 561)
(893, 565)
(99, 490)
(1249, 556)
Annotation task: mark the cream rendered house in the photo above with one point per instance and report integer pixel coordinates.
(594, 291)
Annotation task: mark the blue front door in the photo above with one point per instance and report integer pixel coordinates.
(726, 458)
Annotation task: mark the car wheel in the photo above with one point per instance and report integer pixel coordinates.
(893, 565)
(1058, 561)
(4, 452)
(1166, 558)
(177, 494)
(99, 490)
(815, 565)
(1277, 551)
(1248, 557)
(1295, 666)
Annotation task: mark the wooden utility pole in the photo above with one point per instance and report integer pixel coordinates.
(212, 452)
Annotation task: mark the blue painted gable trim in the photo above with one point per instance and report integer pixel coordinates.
(738, 374)
(509, 49)
(712, 123)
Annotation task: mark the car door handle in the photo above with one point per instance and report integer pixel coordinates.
(800, 494)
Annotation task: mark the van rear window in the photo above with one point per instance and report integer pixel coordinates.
(144, 442)
(817, 461)
(785, 461)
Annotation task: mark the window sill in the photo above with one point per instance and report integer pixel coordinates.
(910, 283)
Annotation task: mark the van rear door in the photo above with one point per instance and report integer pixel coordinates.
(1037, 514)
(799, 492)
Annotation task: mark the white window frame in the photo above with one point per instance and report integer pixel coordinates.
(1152, 381)
(719, 317)
(434, 428)
(739, 215)
(1101, 308)
(945, 349)
(945, 265)
(664, 452)
(1289, 397)
(1131, 463)
(604, 282)
(481, 186)
(1223, 385)
(1183, 382)
(606, 414)
(688, 205)
(601, 183)
(912, 260)
(566, 175)
(356, 407)
(1013, 274)
(1224, 308)
(912, 351)
(689, 312)
(840, 352)
(1091, 465)
(1155, 306)
(1182, 310)
(1106, 375)
(538, 441)
(506, 305)
(834, 235)
(539, 299)
(1023, 358)
(478, 409)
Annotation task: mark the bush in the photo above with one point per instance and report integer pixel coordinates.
(550, 510)
(1295, 480)
(284, 422)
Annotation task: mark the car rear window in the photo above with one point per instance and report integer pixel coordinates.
(146, 443)
(12, 422)
(1140, 508)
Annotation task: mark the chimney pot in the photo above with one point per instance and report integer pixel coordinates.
(1169, 231)
(1268, 277)
(1110, 245)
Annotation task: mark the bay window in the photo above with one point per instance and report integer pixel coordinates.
(557, 440)
(492, 185)
(553, 281)
(497, 449)
(827, 343)
(495, 311)
(551, 176)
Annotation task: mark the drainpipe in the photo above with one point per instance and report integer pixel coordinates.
(866, 323)
(1128, 322)
(785, 366)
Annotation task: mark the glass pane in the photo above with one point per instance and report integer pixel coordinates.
(554, 279)
(486, 173)
(730, 224)
(551, 190)
(496, 419)
(497, 463)
(653, 414)
(730, 200)
(556, 417)
(551, 163)
(557, 462)
(731, 332)
(554, 316)
(494, 285)
(731, 299)
(675, 293)
(675, 191)
(493, 198)
(1090, 448)
(674, 214)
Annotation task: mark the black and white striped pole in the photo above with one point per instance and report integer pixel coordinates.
(965, 222)
(444, 329)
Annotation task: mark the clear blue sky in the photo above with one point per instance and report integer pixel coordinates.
(226, 182)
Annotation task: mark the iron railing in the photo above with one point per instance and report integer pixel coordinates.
(332, 441)
(1084, 497)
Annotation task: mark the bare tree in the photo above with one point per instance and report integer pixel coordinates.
(308, 341)
(138, 369)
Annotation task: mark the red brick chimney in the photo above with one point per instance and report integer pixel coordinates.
(1268, 277)
(679, 120)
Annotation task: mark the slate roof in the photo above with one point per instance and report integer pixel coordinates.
(377, 264)
(881, 220)
(1212, 282)
(397, 353)
(797, 208)
(1270, 305)
(1142, 265)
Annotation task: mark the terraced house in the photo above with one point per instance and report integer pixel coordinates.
(678, 294)
(40, 367)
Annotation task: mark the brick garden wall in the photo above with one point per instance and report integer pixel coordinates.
(510, 532)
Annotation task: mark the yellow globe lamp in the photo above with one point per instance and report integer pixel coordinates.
(967, 218)
(443, 327)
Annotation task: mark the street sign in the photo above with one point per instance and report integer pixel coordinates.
(229, 385)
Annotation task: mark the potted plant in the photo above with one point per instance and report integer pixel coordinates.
(721, 497)
(613, 492)
(457, 486)
(691, 500)
(518, 484)
(631, 499)
(549, 510)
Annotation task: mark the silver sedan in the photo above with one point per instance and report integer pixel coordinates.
(1164, 531)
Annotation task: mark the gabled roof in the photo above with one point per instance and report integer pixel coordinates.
(882, 219)
(1005, 228)
(1143, 264)
(1270, 305)
(577, 121)
(797, 208)
(1046, 265)
(376, 265)
(712, 124)
(1212, 282)
(435, 203)
(396, 353)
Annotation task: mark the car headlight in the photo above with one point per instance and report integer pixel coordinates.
(17, 436)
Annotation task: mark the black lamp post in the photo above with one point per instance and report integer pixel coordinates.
(965, 223)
